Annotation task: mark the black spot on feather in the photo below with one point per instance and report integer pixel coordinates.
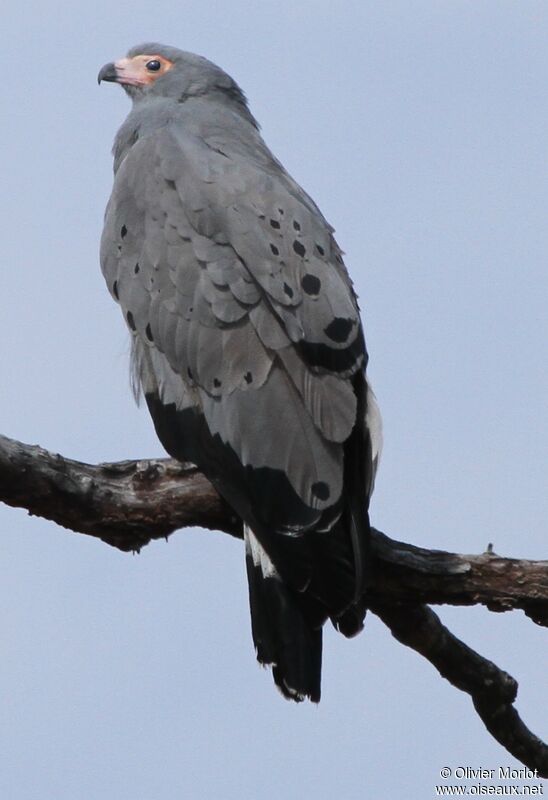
(137, 268)
(274, 223)
(148, 332)
(131, 321)
(339, 329)
(115, 290)
(320, 249)
(275, 250)
(299, 248)
(296, 225)
(248, 377)
(216, 383)
(123, 231)
(288, 290)
(340, 360)
(311, 284)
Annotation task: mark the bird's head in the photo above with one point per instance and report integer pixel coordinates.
(157, 70)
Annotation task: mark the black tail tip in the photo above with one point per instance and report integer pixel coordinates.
(284, 639)
(299, 693)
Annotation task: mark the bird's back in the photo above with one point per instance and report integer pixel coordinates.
(249, 349)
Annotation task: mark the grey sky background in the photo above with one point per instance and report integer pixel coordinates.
(420, 130)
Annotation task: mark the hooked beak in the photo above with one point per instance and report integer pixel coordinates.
(108, 73)
(123, 71)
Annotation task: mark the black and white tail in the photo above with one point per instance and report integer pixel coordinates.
(284, 640)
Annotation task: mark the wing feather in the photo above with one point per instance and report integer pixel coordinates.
(241, 306)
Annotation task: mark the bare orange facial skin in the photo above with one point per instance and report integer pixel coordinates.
(141, 70)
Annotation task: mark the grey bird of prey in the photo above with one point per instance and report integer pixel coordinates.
(247, 345)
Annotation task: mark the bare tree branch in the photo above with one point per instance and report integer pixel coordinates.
(126, 504)
(129, 503)
(492, 690)
(413, 574)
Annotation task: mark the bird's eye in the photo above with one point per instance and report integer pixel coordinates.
(154, 65)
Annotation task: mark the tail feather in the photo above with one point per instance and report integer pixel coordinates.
(283, 638)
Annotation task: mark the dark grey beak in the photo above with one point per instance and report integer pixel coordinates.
(107, 73)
